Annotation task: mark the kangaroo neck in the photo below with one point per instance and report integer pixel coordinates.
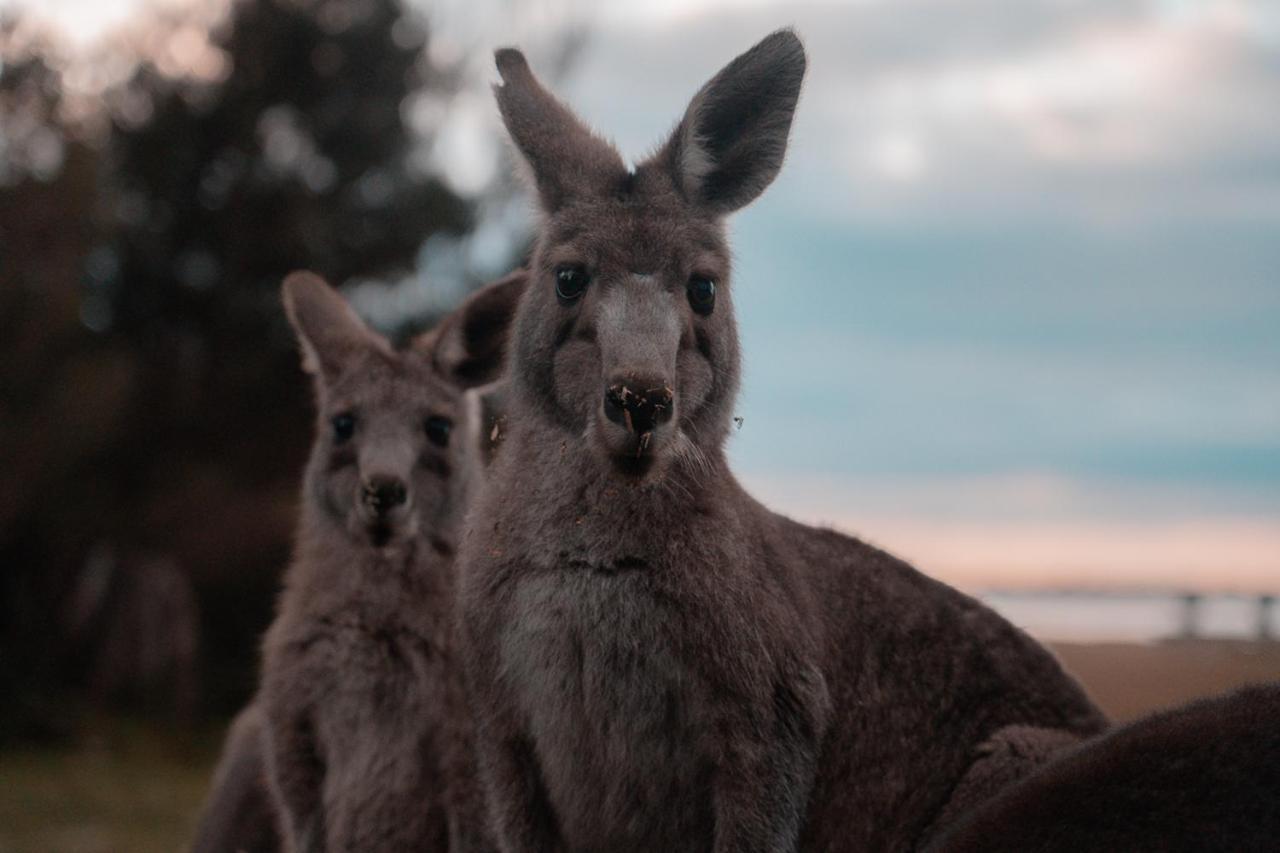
(556, 501)
(331, 555)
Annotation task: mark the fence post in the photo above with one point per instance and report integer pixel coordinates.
(1190, 615)
(1265, 603)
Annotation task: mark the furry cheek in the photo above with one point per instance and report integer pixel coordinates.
(576, 378)
(337, 490)
(695, 377)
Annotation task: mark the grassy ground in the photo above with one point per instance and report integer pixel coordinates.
(123, 787)
(132, 787)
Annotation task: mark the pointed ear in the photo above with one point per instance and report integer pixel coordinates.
(468, 347)
(486, 409)
(729, 146)
(567, 160)
(329, 331)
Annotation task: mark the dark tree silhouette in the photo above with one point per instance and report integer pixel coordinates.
(159, 410)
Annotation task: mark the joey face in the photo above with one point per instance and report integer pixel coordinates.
(387, 441)
(384, 440)
(626, 339)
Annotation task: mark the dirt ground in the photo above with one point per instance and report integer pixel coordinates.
(1129, 680)
(131, 787)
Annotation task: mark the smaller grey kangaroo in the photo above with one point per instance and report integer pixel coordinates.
(1205, 776)
(364, 741)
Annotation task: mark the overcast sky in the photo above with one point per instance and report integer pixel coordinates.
(1023, 260)
(1020, 271)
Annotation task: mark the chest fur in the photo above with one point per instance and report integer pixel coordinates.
(616, 703)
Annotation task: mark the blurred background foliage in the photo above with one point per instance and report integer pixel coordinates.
(153, 421)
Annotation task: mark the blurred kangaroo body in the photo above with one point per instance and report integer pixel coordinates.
(238, 815)
(358, 721)
(1205, 776)
(655, 660)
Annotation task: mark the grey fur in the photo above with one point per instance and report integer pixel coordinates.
(1205, 776)
(655, 661)
(238, 816)
(365, 740)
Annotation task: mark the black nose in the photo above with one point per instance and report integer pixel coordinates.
(639, 405)
(383, 494)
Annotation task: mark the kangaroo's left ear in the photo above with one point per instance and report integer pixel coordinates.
(730, 143)
(468, 347)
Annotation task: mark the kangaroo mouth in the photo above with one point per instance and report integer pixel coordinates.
(384, 530)
(634, 429)
(634, 455)
(636, 464)
(380, 534)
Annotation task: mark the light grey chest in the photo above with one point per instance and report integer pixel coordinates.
(617, 713)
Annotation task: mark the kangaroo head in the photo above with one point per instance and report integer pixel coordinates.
(626, 334)
(384, 451)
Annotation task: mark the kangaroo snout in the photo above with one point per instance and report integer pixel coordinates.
(639, 404)
(382, 493)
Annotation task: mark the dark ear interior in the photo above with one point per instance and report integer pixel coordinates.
(729, 146)
(329, 331)
(565, 157)
(487, 420)
(469, 346)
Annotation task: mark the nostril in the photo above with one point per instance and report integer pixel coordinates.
(639, 406)
(383, 494)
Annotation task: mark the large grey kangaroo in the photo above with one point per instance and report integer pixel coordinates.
(359, 720)
(656, 661)
(1204, 776)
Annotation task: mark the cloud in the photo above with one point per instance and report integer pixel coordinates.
(1099, 110)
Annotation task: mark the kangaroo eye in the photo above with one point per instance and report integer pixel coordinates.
(702, 294)
(344, 426)
(571, 281)
(438, 429)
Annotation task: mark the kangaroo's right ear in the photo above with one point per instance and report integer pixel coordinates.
(329, 331)
(567, 160)
(730, 143)
(469, 346)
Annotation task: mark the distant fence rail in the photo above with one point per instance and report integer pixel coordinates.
(1144, 614)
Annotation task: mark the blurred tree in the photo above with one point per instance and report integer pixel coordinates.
(162, 410)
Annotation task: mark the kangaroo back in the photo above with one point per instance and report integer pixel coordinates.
(1201, 777)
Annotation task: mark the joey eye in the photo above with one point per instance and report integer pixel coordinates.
(702, 294)
(438, 429)
(344, 426)
(571, 281)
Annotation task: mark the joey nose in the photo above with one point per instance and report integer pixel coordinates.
(641, 405)
(383, 494)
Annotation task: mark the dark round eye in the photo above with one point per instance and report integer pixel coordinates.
(438, 430)
(702, 294)
(344, 426)
(571, 281)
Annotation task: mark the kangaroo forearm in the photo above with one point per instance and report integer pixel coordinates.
(762, 808)
(518, 808)
(296, 774)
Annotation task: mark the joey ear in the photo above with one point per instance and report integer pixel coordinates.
(468, 347)
(486, 409)
(566, 158)
(329, 331)
(729, 146)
